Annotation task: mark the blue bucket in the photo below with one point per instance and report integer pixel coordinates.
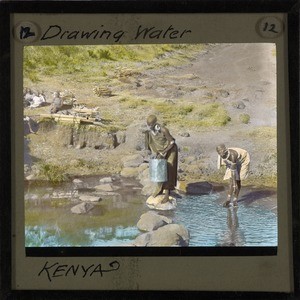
(158, 170)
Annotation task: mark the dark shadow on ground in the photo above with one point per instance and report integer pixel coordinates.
(199, 188)
(252, 196)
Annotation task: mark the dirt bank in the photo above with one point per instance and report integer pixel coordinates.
(240, 78)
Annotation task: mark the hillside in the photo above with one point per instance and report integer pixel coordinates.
(204, 94)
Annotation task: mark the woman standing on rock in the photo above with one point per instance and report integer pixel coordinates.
(162, 145)
(237, 163)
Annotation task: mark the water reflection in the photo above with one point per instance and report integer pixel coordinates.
(211, 225)
(50, 220)
(232, 236)
(112, 221)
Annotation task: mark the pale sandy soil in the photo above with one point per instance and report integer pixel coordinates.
(225, 73)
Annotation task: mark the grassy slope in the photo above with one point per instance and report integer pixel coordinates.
(118, 68)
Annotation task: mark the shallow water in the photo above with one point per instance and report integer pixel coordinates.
(210, 224)
(112, 222)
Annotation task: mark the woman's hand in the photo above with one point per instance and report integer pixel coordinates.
(234, 188)
(161, 154)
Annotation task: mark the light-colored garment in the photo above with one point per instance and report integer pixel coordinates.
(38, 101)
(242, 164)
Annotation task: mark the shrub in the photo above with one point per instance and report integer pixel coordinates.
(245, 118)
(213, 114)
(132, 103)
(53, 173)
(185, 109)
(33, 76)
(100, 54)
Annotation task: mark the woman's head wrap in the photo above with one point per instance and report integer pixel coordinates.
(151, 120)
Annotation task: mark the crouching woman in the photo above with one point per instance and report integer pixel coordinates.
(237, 162)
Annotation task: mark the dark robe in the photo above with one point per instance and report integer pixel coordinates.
(158, 141)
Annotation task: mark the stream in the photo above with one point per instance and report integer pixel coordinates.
(49, 221)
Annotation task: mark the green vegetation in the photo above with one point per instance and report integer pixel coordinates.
(269, 181)
(213, 114)
(185, 109)
(193, 116)
(130, 102)
(53, 173)
(115, 80)
(46, 124)
(59, 60)
(263, 132)
(245, 118)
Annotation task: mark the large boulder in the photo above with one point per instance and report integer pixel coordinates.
(130, 172)
(132, 161)
(105, 180)
(135, 138)
(105, 187)
(108, 195)
(144, 167)
(79, 184)
(157, 203)
(169, 235)
(121, 137)
(82, 208)
(195, 188)
(148, 188)
(151, 221)
(89, 198)
(94, 139)
(143, 240)
(144, 177)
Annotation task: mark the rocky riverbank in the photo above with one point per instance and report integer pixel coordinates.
(117, 202)
(225, 93)
(222, 93)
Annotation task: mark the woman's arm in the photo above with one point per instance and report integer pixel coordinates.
(170, 139)
(233, 168)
